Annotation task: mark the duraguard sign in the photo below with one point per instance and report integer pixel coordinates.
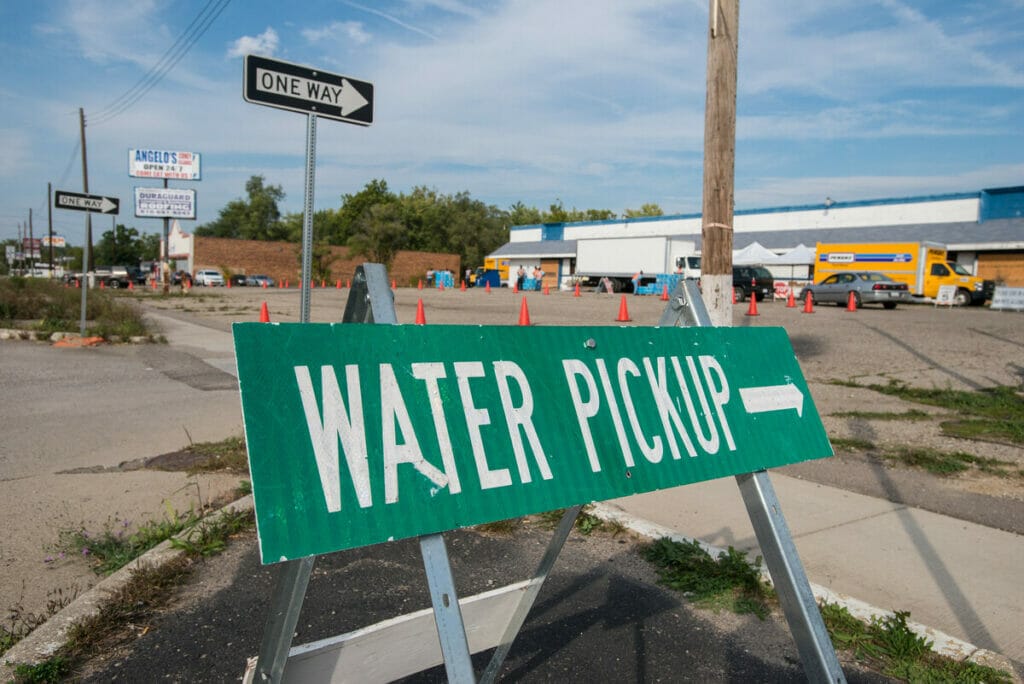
(165, 203)
(359, 434)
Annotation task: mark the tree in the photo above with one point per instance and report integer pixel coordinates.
(255, 218)
(648, 209)
(125, 247)
(379, 233)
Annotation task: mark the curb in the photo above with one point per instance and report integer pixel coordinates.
(46, 639)
(943, 644)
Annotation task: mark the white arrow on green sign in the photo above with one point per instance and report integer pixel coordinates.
(359, 434)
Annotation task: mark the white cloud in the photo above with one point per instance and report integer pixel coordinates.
(264, 44)
(342, 32)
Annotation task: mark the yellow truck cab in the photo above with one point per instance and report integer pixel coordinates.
(491, 264)
(923, 266)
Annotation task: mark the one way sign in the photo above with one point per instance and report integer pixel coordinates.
(63, 199)
(304, 89)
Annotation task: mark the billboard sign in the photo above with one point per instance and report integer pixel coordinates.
(165, 203)
(170, 164)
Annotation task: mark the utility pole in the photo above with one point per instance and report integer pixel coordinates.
(31, 246)
(719, 160)
(87, 247)
(49, 220)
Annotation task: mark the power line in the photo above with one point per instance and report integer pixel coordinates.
(195, 30)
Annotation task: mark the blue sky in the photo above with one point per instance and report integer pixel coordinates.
(594, 103)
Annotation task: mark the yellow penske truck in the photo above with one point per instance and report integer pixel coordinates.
(923, 266)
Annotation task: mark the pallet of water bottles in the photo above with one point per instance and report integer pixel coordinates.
(444, 279)
(661, 281)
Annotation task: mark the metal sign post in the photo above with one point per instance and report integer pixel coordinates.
(686, 308)
(79, 201)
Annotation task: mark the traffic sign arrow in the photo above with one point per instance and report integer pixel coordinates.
(350, 99)
(772, 398)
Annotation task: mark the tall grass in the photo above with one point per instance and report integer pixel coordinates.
(47, 306)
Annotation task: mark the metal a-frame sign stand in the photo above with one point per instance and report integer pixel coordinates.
(372, 301)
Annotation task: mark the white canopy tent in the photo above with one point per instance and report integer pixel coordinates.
(753, 254)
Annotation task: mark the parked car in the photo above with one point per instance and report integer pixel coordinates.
(113, 276)
(752, 281)
(867, 288)
(259, 281)
(238, 280)
(179, 277)
(209, 277)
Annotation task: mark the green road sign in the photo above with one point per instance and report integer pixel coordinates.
(360, 434)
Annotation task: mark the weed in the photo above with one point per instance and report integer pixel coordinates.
(58, 309)
(728, 582)
(994, 414)
(20, 622)
(148, 590)
(841, 443)
(888, 645)
(503, 528)
(53, 670)
(210, 536)
(228, 454)
(117, 545)
(912, 414)
(244, 488)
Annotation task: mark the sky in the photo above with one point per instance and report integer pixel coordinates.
(590, 103)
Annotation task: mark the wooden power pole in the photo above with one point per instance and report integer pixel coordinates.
(719, 160)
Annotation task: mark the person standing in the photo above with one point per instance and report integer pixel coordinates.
(520, 277)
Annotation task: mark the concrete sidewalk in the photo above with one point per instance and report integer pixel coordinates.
(955, 576)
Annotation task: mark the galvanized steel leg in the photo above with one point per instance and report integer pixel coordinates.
(285, 605)
(451, 631)
(812, 640)
(529, 596)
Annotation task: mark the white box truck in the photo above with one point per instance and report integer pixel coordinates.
(621, 259)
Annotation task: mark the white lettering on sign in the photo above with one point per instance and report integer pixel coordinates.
(343, 96)
(709, 384)
(689, 394)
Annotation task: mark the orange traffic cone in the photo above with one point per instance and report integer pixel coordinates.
(851, 303)
(420, 284)
(103, 284)
(791, 302)
(808, 302)
(421, 319)
(440, 285)
(664, 293)
(577, 292)
(524, 314)
(488, 288)
(515, 288)
(227, 283)
(131, 286)
(264, 314)
(752, 311)
(394, 285)
(323, 283)
(734, 295)
(623, 312)
(348, 283)
(463, 286)
(337, 284)
(546, 290)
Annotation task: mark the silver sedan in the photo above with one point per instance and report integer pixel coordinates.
(867, 288)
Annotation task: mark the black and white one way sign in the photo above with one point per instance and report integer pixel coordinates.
(81, 202)
(304, 89)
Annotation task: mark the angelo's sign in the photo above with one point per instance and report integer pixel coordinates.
(359, 434)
